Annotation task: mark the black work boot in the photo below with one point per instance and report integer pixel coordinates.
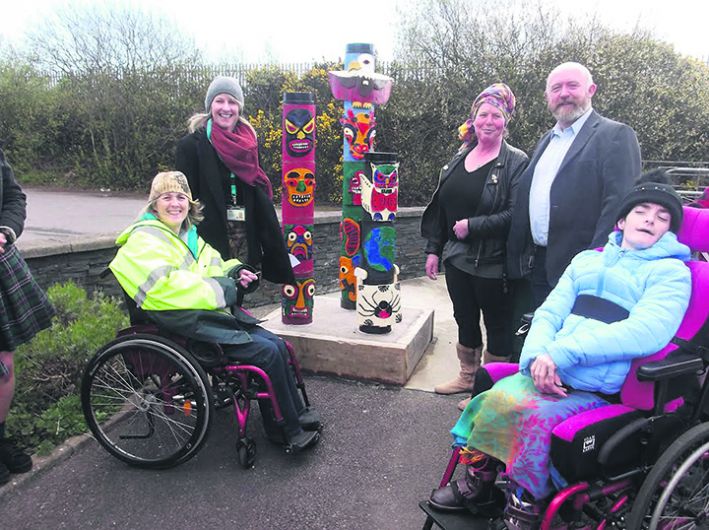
(475, 492)
(14, 458)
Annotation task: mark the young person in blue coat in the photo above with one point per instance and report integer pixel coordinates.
(608, 308)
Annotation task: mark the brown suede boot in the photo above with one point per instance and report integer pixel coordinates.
(469, 363)
(487, 359)
(490, 358)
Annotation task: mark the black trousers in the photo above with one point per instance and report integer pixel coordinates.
(470, 296)
(538, 279)
(269, 352)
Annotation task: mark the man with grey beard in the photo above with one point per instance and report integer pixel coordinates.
(568, 195)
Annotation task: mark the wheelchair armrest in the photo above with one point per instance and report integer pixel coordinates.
(670, 367)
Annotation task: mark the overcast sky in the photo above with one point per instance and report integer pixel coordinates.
(306, 30)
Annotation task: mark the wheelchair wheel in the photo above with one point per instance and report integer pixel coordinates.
(675, 494)
(146, 401)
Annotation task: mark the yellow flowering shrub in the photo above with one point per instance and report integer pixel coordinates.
(271, 84)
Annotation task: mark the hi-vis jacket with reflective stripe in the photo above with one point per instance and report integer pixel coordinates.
(161, 272)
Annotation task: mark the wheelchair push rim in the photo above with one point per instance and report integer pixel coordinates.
(146, 401)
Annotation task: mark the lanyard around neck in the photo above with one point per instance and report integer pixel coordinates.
(232, 177)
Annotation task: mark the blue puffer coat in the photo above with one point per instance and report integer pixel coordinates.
(652, 284)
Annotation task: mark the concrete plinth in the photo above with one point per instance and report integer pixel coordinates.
(333, 344)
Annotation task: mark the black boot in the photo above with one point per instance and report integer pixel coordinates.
(475, 492)
(309, 420)
(14, 458)
(302, 440)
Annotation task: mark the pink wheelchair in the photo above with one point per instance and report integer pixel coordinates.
(148, 396)
(642, 463)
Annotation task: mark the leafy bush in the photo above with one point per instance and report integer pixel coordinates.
(115, 128)
(47, 407)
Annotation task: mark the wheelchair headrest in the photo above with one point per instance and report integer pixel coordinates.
(695, 229)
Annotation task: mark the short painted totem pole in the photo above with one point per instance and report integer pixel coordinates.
(298, 204)
(368, 238)
(378, 290)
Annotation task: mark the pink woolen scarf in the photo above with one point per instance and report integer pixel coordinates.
(238, 149)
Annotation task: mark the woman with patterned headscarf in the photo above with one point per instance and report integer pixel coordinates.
(466, 225)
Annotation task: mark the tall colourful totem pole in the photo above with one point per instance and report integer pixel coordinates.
(298, 204)
(368, 239)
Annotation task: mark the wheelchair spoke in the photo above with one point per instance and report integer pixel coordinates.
(179, 431)
(147, 405)
(684, 499)
(116, 377)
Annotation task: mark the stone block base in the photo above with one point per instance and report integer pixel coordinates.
(333, 344)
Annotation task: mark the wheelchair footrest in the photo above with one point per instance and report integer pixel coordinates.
(463, 520)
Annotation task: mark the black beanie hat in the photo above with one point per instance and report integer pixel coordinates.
(654, 187)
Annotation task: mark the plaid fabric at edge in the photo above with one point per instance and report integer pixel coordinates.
(24, 307)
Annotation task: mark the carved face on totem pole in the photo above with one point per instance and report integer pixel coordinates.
(359, 130)
(381, 196)
(299, 241)
(298, 300)
(300, 187)
(299, 125)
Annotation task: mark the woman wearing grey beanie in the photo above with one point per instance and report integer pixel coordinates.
(219, 156)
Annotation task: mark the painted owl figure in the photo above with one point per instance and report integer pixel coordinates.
(360, 83)
(380, 196)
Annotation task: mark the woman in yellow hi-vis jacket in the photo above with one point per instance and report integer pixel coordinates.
(184, 286)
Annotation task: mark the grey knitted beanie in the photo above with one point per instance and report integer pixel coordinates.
(224, 85)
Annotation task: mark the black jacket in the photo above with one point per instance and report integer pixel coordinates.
(491, 222)
(596, 173)
(12, 202)
(205, 172)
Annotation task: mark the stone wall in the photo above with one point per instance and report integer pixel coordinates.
(83, 261)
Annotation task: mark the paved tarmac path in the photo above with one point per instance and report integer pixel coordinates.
(54, 216)
(383, 450)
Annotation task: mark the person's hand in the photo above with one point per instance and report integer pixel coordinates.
(246, 277)
(432, 266)
(3, 242)
(460, 229)
(545, 376)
